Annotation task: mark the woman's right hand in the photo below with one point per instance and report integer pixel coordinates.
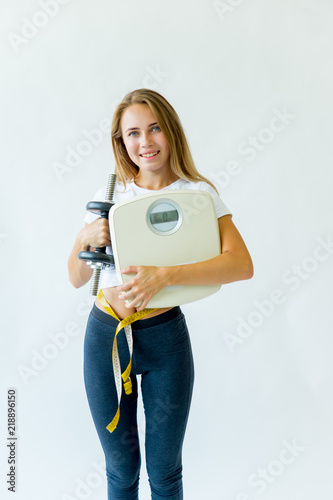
(92, 236)
(97, 233)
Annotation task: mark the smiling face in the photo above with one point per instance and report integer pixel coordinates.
(144, 141)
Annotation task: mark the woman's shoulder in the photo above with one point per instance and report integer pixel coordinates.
(199, 185)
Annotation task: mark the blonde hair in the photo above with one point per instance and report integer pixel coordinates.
(181, 160)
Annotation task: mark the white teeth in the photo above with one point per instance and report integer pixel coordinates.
(149, 155)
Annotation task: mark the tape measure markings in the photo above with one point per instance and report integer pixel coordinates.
(126, 324)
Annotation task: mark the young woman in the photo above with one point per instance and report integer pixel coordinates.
(151, 153)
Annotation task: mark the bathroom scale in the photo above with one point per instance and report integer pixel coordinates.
(166, 229)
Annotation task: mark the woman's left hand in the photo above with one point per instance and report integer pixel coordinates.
(148, 281)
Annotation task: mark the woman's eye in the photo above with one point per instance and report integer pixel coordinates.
(154, 129)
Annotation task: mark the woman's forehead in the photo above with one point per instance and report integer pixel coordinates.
(137, 115)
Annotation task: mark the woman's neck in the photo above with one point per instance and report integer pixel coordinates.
(155, 183)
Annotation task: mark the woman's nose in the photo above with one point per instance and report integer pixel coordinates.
(145, 139)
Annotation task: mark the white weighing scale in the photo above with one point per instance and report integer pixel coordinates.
(166, 229)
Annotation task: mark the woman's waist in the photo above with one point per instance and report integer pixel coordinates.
(119, 307)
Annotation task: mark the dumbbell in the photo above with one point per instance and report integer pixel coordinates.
(99, 260)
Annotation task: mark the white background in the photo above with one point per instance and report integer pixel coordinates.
(228, 69)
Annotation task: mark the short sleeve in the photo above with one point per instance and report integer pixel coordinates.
(220, 207)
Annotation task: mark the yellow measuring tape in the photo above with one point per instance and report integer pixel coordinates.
(126, 324)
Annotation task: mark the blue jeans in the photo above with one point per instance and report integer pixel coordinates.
(162, 355)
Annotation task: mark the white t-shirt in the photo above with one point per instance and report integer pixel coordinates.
(109, 276)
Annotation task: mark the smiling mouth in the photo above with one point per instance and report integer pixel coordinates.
(149, 155)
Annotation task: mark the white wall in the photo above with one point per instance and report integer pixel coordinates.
(229, 68)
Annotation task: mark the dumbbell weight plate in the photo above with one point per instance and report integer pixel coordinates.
(96, 207)
(96, 257)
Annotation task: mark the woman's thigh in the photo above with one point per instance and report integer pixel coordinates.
(122, 446)
(167, 392)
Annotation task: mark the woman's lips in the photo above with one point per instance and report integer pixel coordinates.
(151, 154)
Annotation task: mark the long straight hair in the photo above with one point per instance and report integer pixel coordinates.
(181, 161)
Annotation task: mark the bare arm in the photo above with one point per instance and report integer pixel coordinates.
(91, 236)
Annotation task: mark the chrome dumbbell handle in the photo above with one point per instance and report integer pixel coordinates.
(110, 187)
(94, 281)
